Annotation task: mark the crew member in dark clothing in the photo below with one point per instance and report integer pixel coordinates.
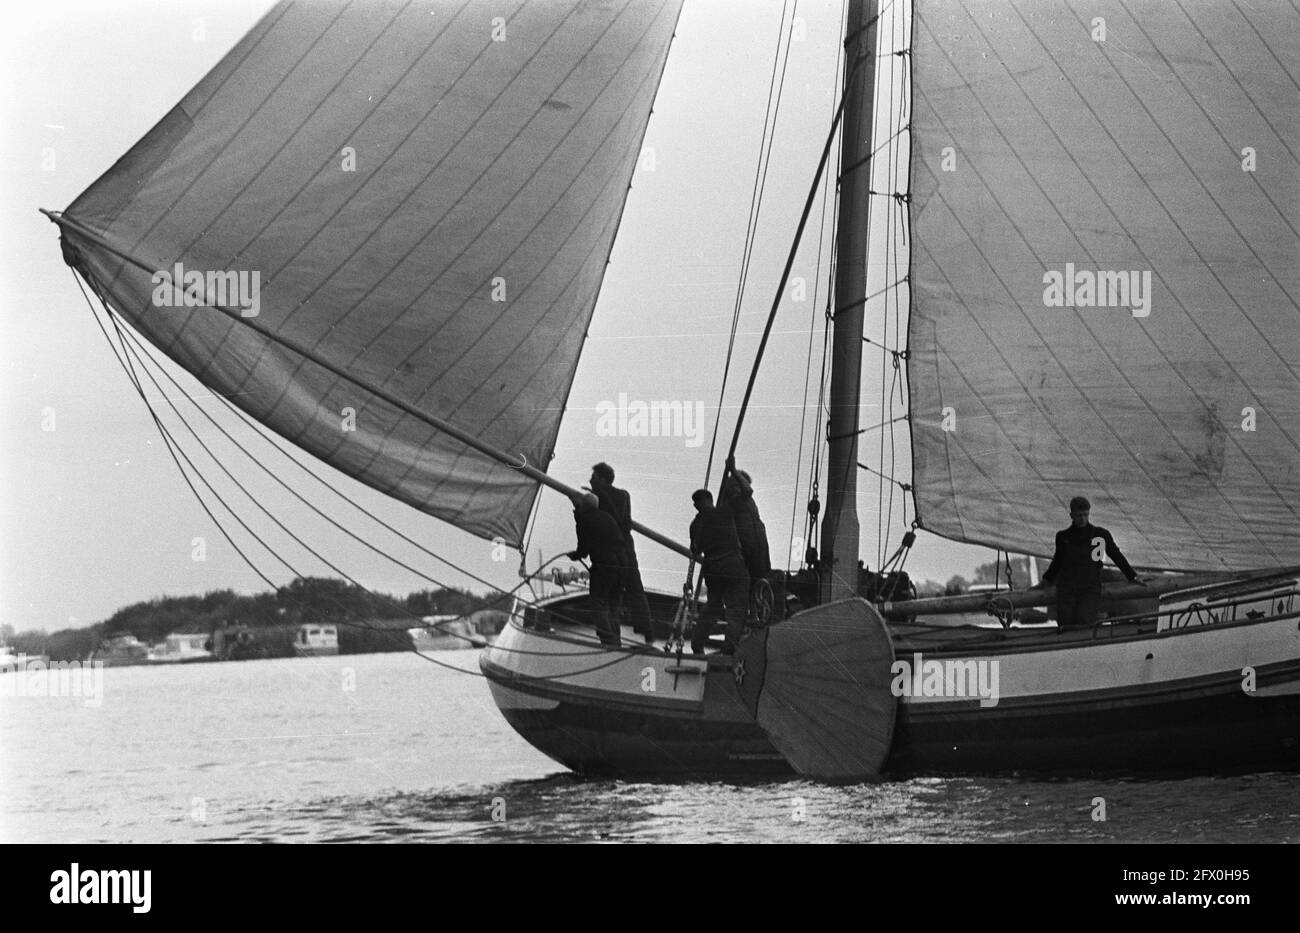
(715, 545)
(738, 497)
(1076, 567)
(599, 538)
(618, 503)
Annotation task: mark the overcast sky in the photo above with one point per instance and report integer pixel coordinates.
(94, 513)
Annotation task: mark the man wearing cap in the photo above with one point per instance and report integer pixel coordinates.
(737, 496)
(1076, 567)
(715, 545)
(618, 503)
(599, 538)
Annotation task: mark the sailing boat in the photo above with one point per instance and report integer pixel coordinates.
(1098, 285)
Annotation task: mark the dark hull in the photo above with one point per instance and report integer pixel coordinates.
(1209, 734)
(1141, 723)
(604, 742)
(1213, 733)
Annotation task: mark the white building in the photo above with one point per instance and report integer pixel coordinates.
(181, 646)
(316, 639)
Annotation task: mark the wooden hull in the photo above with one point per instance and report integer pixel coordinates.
(1193, 730)
(1173, 702)
(628, 711)
(1138, 701)
(594, 739)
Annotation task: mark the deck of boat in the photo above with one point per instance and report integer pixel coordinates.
(951, 633)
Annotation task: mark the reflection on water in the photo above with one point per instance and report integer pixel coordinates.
(392, 748)
(565, 808)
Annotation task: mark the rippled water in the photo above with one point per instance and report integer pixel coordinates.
(391, 747)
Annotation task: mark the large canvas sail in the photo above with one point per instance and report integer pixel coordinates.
(1106, 275)
(424, 195)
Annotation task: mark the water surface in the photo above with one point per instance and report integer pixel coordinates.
(393, 748)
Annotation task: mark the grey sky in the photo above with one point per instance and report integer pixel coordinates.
(94, 513)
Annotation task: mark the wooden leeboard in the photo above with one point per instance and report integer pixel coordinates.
(818, 685)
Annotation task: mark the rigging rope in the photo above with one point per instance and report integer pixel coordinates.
(814, 468)
(898, 227)
(125, 357)
(172, 443)
(288, 453)
(470, 440)
(896, 354)
(873, 427)
(882, 525)
(789, 264)
(184, 475)
(143, 347)
(822, 422)
(899, 483)
(755, 208)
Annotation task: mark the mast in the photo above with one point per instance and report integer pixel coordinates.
(839, 544)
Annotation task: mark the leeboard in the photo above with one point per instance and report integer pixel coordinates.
(818, 685)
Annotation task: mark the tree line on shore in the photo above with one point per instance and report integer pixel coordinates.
(992, 572)
(311, 600)
(331, 601)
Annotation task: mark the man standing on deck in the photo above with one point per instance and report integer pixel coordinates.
(1076, 567)
(618, 503)
(737, 496)
(715, 545)
(600, 538)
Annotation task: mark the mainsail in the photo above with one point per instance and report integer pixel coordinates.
(424, 195)
(1106, 275)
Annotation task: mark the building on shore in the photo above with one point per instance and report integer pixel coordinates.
(11, 660)
(240, 642)
(316, 640)
(121, 650)
(182, 648)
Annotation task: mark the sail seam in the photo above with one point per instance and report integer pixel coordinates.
(1191, 526)
(218, 150)
(381, 223)
(1210, 120)
(1205, 188)
(138, 350)
(595, 151)
(974, 458)
(1209, 267)
(1048, 348)
(634, 145)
